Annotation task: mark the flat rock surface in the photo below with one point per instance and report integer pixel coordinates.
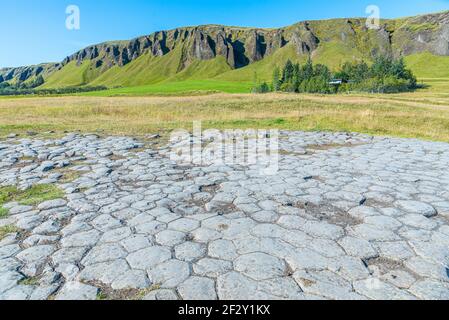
(347, 216)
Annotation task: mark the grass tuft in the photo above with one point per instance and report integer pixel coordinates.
(30, 197)
(5, 230)
(143, 292)
(3, 213)
(101, 296)
(69, 176)
(33, 281)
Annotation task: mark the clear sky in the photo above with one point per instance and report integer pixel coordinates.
(34, 31)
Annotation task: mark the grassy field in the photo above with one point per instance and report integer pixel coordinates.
(185, 88)
(422, 114)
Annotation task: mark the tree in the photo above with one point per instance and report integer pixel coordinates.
(261, 88)
(296, 78)
(277, 79)
(308, 69)
(381, 67)
(361, 71)
(264, 87)
(399, 70)
(320, 70)
(287, 72)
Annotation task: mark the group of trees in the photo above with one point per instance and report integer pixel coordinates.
(384, 75)
(296, 78)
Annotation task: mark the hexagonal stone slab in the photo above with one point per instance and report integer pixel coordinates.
(430, 290)
(235, 286)
(105, 223)
(260, 266)
(170, 238)
(148, 258)
(103, 253)
(135, 243)
(105, 272)
(169, 274)
(51, 204)
(132, 279)
(9, 251)
(36, 254)
(198, 288)
(212, 268)
(326, 284)
(184, 225)
(417, 207)
(358, 248)
(9, 280)
(379, 290)
(76, 291)
(190, 251)
(223, 249)
(116, 235)
(69, 255)
(81, 239)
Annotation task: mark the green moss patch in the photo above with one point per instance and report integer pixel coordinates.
(30, 197)
(3, 213)
(5, 230)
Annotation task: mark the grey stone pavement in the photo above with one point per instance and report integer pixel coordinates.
(348, 216)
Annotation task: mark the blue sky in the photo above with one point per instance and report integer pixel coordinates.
(34, 31)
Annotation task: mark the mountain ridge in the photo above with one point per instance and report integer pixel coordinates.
(329, 41)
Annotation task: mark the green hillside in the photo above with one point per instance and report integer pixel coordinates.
(72, 75)
(201, 70)
(144, 70)
(427, 65)
(220, 58)
(158, 75)
(264, 68)
(335, 54)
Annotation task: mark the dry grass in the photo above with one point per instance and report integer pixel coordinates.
(6, 230)
(423, 114)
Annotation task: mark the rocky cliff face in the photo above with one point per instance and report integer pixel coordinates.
(242, 46)
(24, 73)
(423, 33)
(239, 47)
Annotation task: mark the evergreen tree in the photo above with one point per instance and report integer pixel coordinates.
(381, 67)
(308, 69)
(321, 70)
(296, 78)
(361, 71)
(287, 73)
